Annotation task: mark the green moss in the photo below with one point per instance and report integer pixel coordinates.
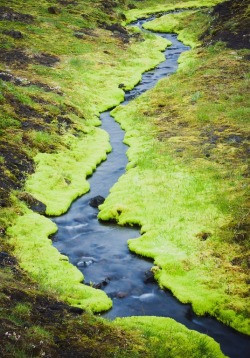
(167, 338)
(177, 23)
(60, 178)
(185, 182)
(46, 265)
(79, 86)
(149, 7)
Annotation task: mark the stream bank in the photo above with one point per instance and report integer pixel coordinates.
(100, 250)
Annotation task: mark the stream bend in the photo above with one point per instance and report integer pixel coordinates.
(100, 250)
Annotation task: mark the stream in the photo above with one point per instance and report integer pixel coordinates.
(100, 249)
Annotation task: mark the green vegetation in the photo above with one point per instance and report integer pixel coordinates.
(170, 339)
(187, 182)
(29, 237)
(146, 8)
(61, 64)
(51, 102)
(189, 25)
(60, 178)
(34, 324)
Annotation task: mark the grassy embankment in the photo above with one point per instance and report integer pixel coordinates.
(187, 183)
(35, 325)
(52, 89)
(56, 127)
(146, 8)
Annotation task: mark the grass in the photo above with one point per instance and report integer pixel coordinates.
(51, 117)
(60, 178)
(75, 90)
(38, 324)
(36, 255)
(177, 23)
(170, 339)
(186, 183)
(150, 7)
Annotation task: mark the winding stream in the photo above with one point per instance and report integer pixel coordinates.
(100, 250)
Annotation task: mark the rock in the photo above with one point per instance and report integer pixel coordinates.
(34, 204)
(6, 259)
(121, 85)
(96, 201)
(86, 261)
(102, 284)
(13, 33)
(149, 277)
(121, 294)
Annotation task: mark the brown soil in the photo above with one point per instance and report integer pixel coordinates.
(230, 24)
(19, 58)
(7, 14)
(17, 165)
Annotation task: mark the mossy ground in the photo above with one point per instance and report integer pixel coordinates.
(187, 183)
(34, 324)
(170, 338)
(146, 8)
(52, 89)
(58, 74)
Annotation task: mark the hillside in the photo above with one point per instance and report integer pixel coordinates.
(62, 63)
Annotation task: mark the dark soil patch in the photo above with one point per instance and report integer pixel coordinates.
(8, 77)
(6, 259)
(24, 82)
(32, 203)
(67, 2)
(37, 120)
(119, 32)
(16, 161)
(16, 57)
(243, 261)
(19, 58)
(22, 110)
(54, 10)
(47, 88)
(13, 33)
(34, 323)
(7, 14)
(231, 24)
(14, 170)
(29, 124)
(46, 59)
(66, 122)
(108, 5)
(81, 33)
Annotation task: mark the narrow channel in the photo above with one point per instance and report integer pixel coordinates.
(100, 250)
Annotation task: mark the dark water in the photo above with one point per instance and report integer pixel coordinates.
(100, 250)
